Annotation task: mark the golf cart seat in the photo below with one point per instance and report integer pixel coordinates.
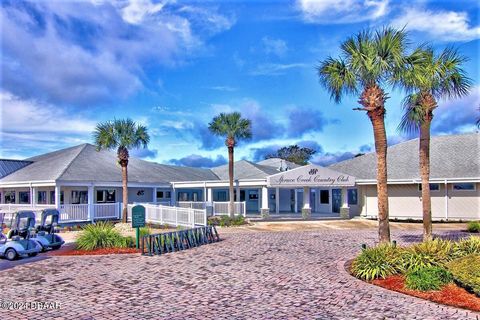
(48, 227)
(23, 223)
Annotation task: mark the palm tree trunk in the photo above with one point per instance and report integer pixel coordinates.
(424, 156)
(373, 99)
(124, 192)
(231, 205)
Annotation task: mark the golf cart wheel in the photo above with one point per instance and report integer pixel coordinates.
(11, 254)
(33, 254)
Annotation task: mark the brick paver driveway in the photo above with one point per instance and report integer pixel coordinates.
(249, 275)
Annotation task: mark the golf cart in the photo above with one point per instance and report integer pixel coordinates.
(12, 245)
(46, 236)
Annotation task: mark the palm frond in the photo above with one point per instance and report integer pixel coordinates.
(414, 115)
(120, 133)
(231, 125)
(337, 78)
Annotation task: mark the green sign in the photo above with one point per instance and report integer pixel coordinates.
(138, 216)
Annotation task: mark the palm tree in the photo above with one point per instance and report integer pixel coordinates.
(428, 77)
(367, 62)
(121, 135)
(233, 127)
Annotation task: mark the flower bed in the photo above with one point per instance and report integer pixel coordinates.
(443, 271)
(73, 251)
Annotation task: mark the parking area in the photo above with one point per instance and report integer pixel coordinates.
(249, 275)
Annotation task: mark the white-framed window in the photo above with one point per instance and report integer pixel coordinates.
(106, 196)
(463, 186)
(42, 197)
(24, 197)
(164, 194)
(352, 195)
(433, 186)
(79, 197)
(52, 197)
(9, 196)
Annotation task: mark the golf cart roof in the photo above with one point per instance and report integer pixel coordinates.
(25, 214)
(50, 212)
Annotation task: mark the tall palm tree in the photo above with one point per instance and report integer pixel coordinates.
(428, 77)
(367, 62)
(121, 135)
(233, 127)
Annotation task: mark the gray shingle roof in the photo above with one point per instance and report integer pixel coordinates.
(244, 169)
(84, 163)
(8, 166)
(452, 156)
(277, 162)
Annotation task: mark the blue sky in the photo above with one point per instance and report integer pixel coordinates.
(174, 65)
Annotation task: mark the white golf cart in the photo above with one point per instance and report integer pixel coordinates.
(18, 243)
(45, 235)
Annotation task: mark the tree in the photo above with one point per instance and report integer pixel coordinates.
(121, 135)
(367, 62)
(234, 128)
(293, 153)
(428, 77)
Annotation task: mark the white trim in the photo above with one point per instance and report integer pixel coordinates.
(464, 190)
(415, 181)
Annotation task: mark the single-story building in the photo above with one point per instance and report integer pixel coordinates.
(87, 183)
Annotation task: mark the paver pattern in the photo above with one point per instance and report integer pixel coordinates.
(248, 275)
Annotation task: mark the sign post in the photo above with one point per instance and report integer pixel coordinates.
(138, 221)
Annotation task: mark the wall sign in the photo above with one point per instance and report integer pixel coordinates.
(310, 176)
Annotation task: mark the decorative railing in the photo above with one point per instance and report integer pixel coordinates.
(174, 216)
(192, 204)
(221, 208)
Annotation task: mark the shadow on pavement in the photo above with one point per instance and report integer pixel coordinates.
(5, 264)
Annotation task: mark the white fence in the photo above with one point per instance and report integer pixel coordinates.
(221, 208)
(174, 216)
(192, 204)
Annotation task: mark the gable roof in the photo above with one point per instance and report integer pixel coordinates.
(244, 169)
(7, 166)
(85, 163)
(277, 163)
(452, 156)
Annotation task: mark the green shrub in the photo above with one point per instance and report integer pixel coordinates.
(101, 235)
(145, 231)
(426, 254)
(466, 272)
(473, 226)
(376, 262)
(430, 278)
(226, 221)
(467, 246)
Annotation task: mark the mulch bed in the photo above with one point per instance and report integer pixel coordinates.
(70, 250)
(450, 294)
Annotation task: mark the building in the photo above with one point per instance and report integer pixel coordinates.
(86, 183)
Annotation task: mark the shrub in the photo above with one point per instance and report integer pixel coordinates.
(473, 226)
(466, 272)
(226, 221)
(426, 254)
(144, 231)
(101, 235)
(467, 246)
(376, 262)
(430, 278)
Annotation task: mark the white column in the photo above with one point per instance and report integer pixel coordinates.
(57, 196)
(174, 197)
(446, 199)
(33, 196)
(277, 200)
(264, 198)
(344, 197)
(154, 195)
(295, 208)
(90, 203)
(317, 200)
(209, 195)
(306, 198)
(237, 192)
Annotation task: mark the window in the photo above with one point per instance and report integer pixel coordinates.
(183, 196)
(160, 195)
(24, 197)
(433, 187)
(52, 197)
(253, 195)
(222, 196)
(42, 197)
(168, 194)
(352, 196)
(79, 197)
(10, 197)
(324, 197)
(106, 196)
(464, 186)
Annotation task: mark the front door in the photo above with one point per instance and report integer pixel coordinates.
(336, 200)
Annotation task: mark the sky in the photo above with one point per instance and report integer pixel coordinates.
(174, 65)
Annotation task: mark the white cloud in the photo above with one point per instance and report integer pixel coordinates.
(342, 11)
(136, 10)
(277, 47)
(275, 69)
(223, 88)
(439, 25)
